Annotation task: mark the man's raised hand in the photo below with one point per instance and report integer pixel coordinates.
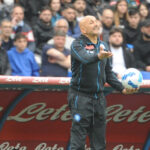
(104, 54)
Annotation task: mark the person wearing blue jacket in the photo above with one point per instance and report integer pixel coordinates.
(21, 58)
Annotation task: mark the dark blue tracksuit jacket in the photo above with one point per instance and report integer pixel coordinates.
(89, 74)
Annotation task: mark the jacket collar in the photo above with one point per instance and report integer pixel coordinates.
(87, 41)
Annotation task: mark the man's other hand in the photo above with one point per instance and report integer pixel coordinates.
(130, 91)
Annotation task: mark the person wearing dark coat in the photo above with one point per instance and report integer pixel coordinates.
(142, 47)
(6, 32)
(43, 30)
(4, 63)
(132, 28)
(32, 8)
(20, 26)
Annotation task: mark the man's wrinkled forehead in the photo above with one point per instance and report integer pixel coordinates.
(87, 19)
(91, 18)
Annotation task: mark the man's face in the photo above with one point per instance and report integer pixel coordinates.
(107, 18)
(116, 39)
(18, 14)
(59, 41)
(80, 5)
(46, 16)
(70, 14)
(62, 25)
(6, 28)
(21, 44)
(134, 20)
(91, 26)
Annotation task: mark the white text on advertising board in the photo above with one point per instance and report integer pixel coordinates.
(115, 113)
(41, 146)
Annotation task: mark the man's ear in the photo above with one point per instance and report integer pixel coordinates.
(83, 29)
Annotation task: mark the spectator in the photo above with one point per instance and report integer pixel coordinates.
(107, 19)
(100, 29)
(56, 58)
(80, 6)
(69, 14)
(55, 8)
(65, 2)
(144, 11)
(32, 8)
(132, 29)
(43, 30)
(6, 31)
(121, 13)
(21, 58)
(93, 7)
(142, 48)
(62, 24)
(6, 7)
(122, 58)
(4, 63)
(19, 25)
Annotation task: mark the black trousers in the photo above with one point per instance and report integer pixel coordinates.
(88, 119)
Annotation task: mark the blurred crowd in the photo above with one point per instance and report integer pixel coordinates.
(36, 35)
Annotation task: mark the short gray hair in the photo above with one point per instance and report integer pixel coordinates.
(56, 23)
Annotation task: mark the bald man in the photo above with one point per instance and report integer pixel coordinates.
(90, 70)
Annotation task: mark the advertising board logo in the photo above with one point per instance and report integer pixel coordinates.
(115, 113)
(40, 146)
(122, 147)
(13, 79)
(64, 80)
(40, 80)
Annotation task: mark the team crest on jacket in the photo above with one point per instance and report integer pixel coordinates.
(77, 117)
(89, 47)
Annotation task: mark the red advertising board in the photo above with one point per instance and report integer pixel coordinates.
(41, 119)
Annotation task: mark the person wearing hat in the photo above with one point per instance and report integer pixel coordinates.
(142, 49)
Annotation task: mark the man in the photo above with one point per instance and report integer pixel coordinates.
(63, 25)
(4, 63)
(122, 57)
(132, 29)
(69, 13)
(107, 23)
(43, 30)
(32, 7)
(6, 31)
(80, 6)
(56, 58)
(91, 68)
(19, 25)
(142, 49)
